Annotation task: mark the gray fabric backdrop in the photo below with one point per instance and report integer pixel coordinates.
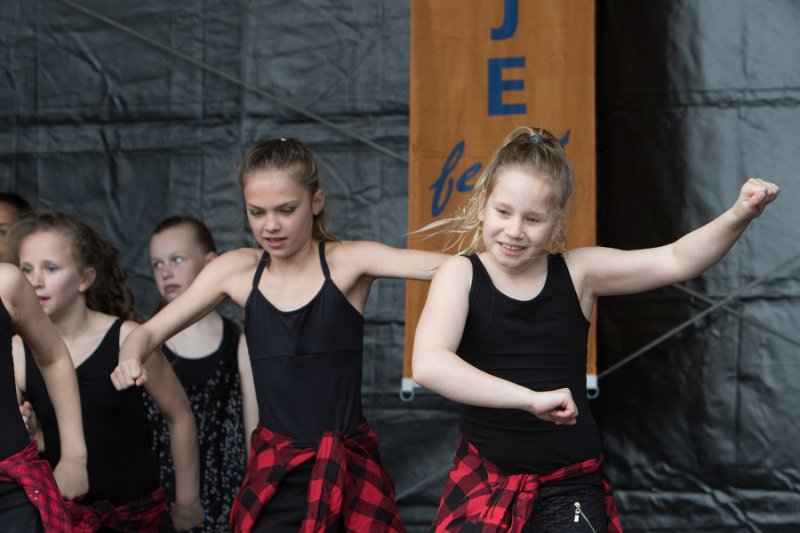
(693, 97)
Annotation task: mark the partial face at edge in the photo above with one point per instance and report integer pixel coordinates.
(8, 215)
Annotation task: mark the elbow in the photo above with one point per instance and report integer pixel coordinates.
(182, 421)
(421, 370)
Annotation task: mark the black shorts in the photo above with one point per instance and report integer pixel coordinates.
(555, 510)
(17, 513)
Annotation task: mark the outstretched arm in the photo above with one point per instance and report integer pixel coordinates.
(605, 271)
(58, 371)
(378, 260)
(437, 367)
(170, 398)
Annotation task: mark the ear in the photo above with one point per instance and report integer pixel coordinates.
(87, 279)
(318, 202)
(481, 205)
(210, 256)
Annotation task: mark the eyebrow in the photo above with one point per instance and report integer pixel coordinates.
(290, 203)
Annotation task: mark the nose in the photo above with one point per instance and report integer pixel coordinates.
(36, 279)
(271, 223)
(514, 228)
(166, 272)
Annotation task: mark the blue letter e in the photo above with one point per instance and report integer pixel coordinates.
(497, 86)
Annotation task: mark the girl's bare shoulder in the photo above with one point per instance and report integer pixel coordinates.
(233, 263)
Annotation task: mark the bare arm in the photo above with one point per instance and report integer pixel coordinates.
(170, 398)
(605, 271)
(381, 261)
(211, 286)
(249, 404)
(58, 371)
(437, 367)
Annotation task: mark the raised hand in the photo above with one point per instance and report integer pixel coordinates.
(754, 197)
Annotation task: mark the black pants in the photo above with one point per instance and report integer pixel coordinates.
(554, 510)
(17, 513)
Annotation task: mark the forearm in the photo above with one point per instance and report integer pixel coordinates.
(186, 458)
(447, 374)
(62, 386)
(138, 345)
(700, 249)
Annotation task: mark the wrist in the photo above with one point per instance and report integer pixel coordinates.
(531, 399)
(74, 454)
(76, 459)
(187, 500)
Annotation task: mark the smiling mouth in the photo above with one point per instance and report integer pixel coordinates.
(512, 247)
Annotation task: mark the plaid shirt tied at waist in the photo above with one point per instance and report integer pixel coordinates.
(141, 516)
(35, 476)
(348, 487)
(479, 496)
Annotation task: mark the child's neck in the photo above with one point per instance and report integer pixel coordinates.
(73, 322)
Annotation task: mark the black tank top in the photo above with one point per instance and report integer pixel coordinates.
(13, 436)
(306, 362)
(540, 344)
(121, 464)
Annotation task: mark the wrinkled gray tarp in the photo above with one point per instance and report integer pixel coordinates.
(702, 431)
(693, 97)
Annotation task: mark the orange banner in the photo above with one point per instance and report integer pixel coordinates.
(480, 68)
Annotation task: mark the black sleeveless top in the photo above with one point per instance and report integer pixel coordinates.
(540, 344)
(121, 464)
(306, 362)
(13, 436)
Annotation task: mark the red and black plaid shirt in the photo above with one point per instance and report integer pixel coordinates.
(35, 476)
(348, 485)
(142, 516)
(479, 495)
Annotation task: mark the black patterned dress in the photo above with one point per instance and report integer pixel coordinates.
(213, 387)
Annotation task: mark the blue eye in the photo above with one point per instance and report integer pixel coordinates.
(26, 270)
(51, 268)
(177, 260)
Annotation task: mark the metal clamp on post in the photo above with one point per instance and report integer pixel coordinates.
(592, 386)
(407, 386)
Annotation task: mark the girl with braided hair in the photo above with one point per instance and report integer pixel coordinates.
(80, 284)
